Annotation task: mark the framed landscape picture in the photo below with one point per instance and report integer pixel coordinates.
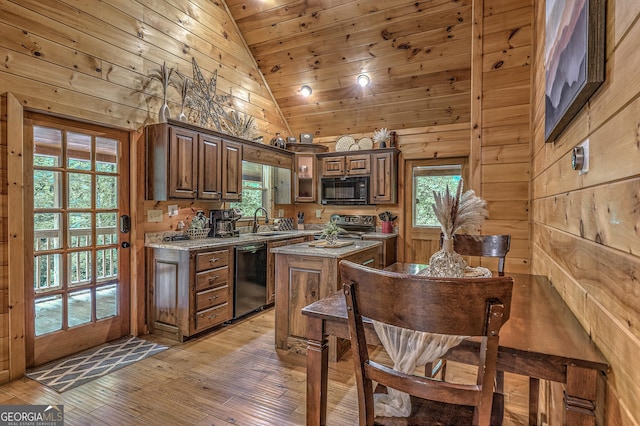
(574, 59)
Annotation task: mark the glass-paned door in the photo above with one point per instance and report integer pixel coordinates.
(80, 270)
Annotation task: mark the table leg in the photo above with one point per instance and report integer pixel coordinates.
(317, 372)
(583, 396)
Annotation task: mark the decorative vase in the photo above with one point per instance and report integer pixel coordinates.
(163, 114)
(446, 262)
(332, 239)
(182, 116)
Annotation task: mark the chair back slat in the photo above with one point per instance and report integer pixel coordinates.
(453, 306)
(484, 246)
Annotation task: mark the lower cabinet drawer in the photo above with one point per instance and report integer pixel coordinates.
(212, 316)
(213, 297)
(212, 259)
(212, 278)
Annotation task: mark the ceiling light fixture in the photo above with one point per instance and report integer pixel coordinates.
(306, 91)
(363, 80)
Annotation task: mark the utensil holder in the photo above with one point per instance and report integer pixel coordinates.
(387, 227)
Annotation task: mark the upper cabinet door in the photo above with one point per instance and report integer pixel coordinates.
(305, 183)
(209, 168)
(383, 178)
(183, 163)
(232, 166)
(333, 166)
(358, 164)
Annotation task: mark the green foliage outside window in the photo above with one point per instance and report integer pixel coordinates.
(425, 181)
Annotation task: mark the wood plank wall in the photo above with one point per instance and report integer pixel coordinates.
(586, 228)
(90, 60)
(90, 63)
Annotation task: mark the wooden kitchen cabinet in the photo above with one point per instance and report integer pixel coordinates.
(388, 251)
(384, 174)
(304, 276)
(184, 163)
(231, 171)
(190, 291)
(305, 178)
(345, 165)
(271, 263)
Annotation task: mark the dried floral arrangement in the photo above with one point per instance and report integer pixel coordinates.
(163, 75)
(241, 125)
(206, 107)
(381, 135)
(183, 84)
(454, 212)
(459, 211)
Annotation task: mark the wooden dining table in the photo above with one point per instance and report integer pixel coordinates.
(542, 340)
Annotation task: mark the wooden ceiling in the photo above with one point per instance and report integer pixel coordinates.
(416, 53)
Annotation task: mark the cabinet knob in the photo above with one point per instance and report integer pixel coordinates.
(212, 316)
(212, 279)
(211, 299)
(214, 259)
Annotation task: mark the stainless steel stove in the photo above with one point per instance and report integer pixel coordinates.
(356, 225)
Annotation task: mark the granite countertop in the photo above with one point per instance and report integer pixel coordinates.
(156, 240)
(207, 243)
(380, 235)
(303, 249)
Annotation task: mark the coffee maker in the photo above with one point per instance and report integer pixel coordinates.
(223, 223)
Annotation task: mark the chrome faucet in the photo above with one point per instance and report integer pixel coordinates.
(255, 218)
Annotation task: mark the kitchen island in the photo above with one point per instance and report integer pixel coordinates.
(305, 274)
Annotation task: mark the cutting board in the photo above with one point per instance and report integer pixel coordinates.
(325, 244)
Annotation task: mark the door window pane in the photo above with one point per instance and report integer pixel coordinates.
(426, 180)
(47, 272)
(106, 264)
(79, 267)
(79, 229)
(78, 151)
(80, 191)
(106, 155)
(48, 314)
(106, 228)
(47, 147)
(79, 307)
(47, 189)
(47, 233)
(107, 192)
(107, 301)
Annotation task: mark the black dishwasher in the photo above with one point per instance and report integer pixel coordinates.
(250, 289)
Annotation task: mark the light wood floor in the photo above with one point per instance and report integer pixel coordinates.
(232, 376)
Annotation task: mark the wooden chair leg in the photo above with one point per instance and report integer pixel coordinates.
(500, 382)
(534, 400)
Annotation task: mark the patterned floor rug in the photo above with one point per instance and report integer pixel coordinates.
(78, 369)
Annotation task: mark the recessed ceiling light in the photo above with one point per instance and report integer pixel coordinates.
(305, 90)
(363, 80)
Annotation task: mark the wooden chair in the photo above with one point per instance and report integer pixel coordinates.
(483, 245)
(453, 306)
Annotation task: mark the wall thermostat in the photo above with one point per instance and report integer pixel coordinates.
(580, 157)
(577, 158)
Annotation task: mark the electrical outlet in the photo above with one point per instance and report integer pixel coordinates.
(173, 210)
(318, 213)
(280, 212)
(154, 215)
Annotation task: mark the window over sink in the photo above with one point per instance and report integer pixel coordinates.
(263, 186)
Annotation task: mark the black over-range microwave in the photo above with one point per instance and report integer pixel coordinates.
(350, 190)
